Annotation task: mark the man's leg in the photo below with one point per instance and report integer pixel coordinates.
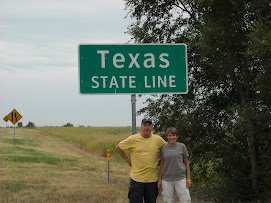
(150, 192)
(136, 192)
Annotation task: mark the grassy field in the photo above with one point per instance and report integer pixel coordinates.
(93, 139)
(62, 165)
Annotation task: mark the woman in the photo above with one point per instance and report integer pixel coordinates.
(174, 169)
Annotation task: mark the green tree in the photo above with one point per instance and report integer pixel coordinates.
(68, 125)
(225, 117)
(19, 124)
(30, 125)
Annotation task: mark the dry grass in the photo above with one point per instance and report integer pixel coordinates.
(41, 167)
(93, 139)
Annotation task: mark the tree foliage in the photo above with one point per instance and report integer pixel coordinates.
(225, 117)
(68, 125)
(30, 125)
(19, 124)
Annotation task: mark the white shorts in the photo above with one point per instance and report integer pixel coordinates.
(181, 189)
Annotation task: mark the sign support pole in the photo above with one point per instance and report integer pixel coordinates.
(14, 136)
(133, 101)
(108, 173)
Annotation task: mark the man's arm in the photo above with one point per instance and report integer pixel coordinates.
(124, 156)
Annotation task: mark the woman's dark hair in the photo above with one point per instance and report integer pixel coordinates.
(172, 130)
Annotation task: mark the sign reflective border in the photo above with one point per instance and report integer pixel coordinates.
(133, 68)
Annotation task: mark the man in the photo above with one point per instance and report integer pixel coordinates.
(144, 149)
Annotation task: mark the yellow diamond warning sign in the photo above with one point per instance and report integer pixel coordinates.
(14, 116)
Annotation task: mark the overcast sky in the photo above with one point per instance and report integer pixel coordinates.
(39, 61)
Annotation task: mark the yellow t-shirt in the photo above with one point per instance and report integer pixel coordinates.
(144, 156)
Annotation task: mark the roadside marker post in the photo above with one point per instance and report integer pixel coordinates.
(108, 160)
(14, 117)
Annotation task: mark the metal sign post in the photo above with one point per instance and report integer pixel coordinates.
(133, 101)
(108, 172)
(14, 136)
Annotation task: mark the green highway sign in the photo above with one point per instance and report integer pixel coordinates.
(133, 68)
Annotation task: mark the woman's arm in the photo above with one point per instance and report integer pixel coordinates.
(188, 178)
(159, 185)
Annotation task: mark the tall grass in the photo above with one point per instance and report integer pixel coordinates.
(93, 139)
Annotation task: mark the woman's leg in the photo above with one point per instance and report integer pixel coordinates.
(168, 191)
(182, 191)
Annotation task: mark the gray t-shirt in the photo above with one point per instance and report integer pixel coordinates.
(174, 168)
